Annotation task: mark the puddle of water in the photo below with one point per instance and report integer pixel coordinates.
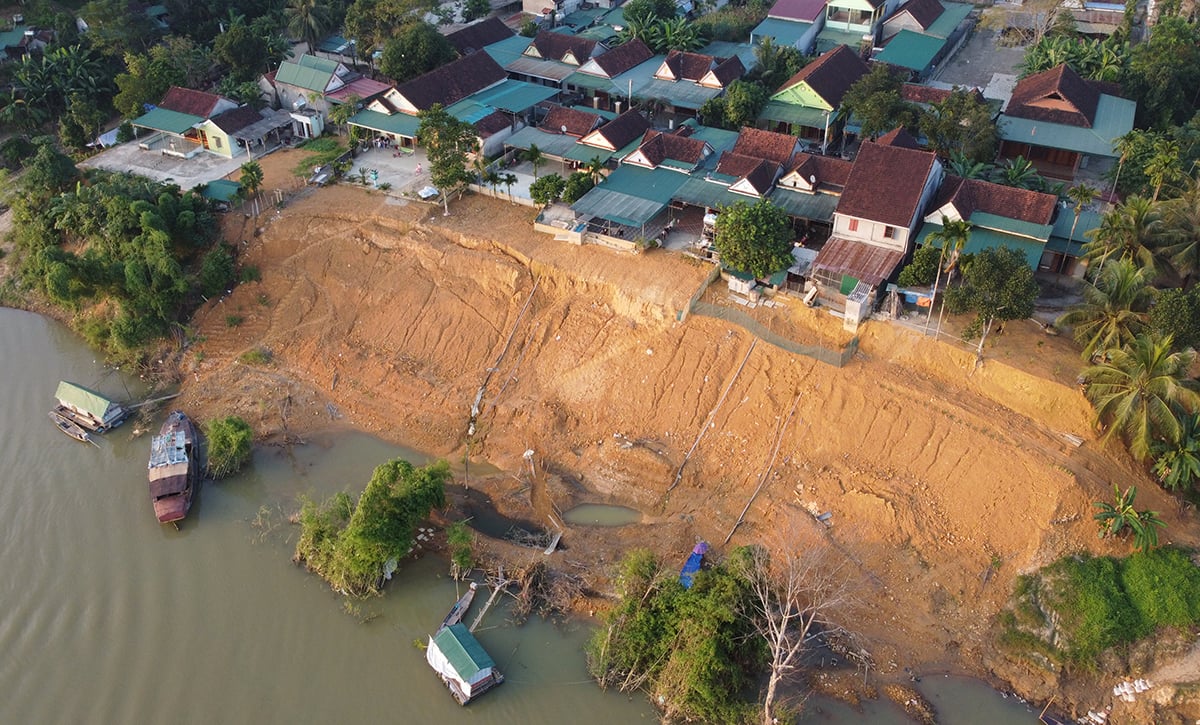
(481, 514)
(598, 514)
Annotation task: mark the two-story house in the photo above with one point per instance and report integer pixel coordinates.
(807, 104)
(794, 23)
(887, 191)
(853, 23)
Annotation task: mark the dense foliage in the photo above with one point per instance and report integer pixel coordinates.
(754, 238)
(962, 125)
(874, 102)
(230, 441)
(739, 106)
(923, 268)
(113, 248)
(577, 184)
(997, 284)
(349, 543)
(448, 142)
(690, 648)
(1080, 606)
(415, 50)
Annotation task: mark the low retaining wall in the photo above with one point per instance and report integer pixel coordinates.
(836, 358)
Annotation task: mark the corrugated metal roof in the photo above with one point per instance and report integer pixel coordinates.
(1031, 230)
(830, 38)
(981, 239)
(81, 398)
(160, 119)
(632, 211)
(783, 32)
(551, 144)
(817, 207)
(1114, 118)
(221, 189)
(514, 96)
(793, 114)
(308, 72)
(462, 651)
(400, 124)
(701, 192)
(911, 50)
(950, 18)
(864, 262)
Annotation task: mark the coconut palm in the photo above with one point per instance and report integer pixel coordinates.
(308, 20)
(508, 179)
(953, 236)
(1114, 311)
(1020, 173)
(492, 178)
(1177, 465)
(1082, 195)
(1163, 165)
(534, 156)
(1181, 223)
(1139, 391)
(1133, 230)
(968, 168)
(1120, 518)
(595, 169)
(251, 178)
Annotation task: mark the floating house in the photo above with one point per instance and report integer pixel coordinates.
(462, 663)
(88, 408)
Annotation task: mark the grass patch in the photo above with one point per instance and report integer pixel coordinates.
(264, 300)
(250, 273)
(321, 151)
(257, 356)
(234, 320)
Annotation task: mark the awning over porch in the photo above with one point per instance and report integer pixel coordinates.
(632, 211)
(864, 262)
(271, 120)
(399, 124)
(793, 114)
(160, 119)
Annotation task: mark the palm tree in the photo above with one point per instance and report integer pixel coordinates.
(1132, 231)
(953, 236)
(968, 168)
(508, 179)
(1163, 166)
(1082, 195)
(1125, 145)
(1119, 518)
(1181, 223)
(308, 20)
(491, 178)
(1019, 173)
(1139, 391)
(595, 168)
(1178, 466)
(534, 156)
(252, 178)
(1114, 311)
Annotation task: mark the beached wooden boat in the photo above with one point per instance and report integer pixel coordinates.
(459, 610)
(69, 427)
(174, 468)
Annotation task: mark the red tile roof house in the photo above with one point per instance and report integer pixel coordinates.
(754, 163)
(886, 193)
(176, 123)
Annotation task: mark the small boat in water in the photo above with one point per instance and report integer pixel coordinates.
(459, 610)
(174, 468)
(70, 427)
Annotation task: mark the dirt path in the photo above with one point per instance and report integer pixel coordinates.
(942, 481)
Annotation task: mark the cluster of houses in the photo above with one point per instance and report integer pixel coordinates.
(635, 113)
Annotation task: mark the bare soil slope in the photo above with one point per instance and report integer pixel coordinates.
(943, 480)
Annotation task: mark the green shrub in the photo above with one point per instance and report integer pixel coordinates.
(250, 273)
(216, 271)
(1095, 613)
(923, 268)
(257, 356)
(230, 441)
(234, 320)
(461, 541)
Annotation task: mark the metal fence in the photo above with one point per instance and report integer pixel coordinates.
(837, 358)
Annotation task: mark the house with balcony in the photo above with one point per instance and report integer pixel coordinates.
(794, 23)
(853, 23)
(921, 34)
(882, 205)
(807, 104)
(1059, 121)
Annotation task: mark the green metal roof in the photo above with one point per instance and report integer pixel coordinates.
(699, 191)
(514, 96)
(782, 32)
(793, 114)
(84, 399)
(725, 48)
(953, 14)
(830, 38)
(718, 138)
(468, 110)
(11, 37)
(308, 72)
(160, 119)
(581, 152)
(400, 124)
(1114, 118)
(551, 144)
(221, 190)
(591, 82)
(1089, 221)
(659, 185)
(462, 651)
(982, 239)
(911, 50)
(632, 211)
(817, 207)
(680, 94)
(1039, 232)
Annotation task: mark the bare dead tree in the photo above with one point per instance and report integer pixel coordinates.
(799, 587)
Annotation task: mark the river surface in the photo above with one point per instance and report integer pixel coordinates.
(108, 617)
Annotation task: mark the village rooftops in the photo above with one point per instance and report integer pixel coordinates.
(831, 75)
(684, 66)
(898, 137)
(922, 12)
(960, 198)
(886, 183)
(571, 121)
(614, 62)
(1058, 95)
(570, 49)
(192, 102)
(775, 147)
(806, 11)
(452, 82)
(811, 173)
(477, 36)
(658, 148)
(308, 72)
(619, 132)
(235, 119)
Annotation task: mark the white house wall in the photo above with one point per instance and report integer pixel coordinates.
(870, 232)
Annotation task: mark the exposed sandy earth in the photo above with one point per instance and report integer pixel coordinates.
(944, 480)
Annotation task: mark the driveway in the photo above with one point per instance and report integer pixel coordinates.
(153, 164)
(983, 64)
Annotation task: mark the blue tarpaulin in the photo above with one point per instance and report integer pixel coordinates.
(693, 564)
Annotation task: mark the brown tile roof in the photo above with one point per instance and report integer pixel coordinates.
(186, 100)
(689, 66)
(737, 165)
(929, 96)
(623, 57)
(831, 75)
(622, 130)
(235, 119)
(972, 195)
(777, 147)
(553, 46)
(761, 176)
(658, 147)
(494, 122)
(476, 36)
(923, 12)
(829, 170)
(1058, 95)
(729, 70)
(578, 123)
(866, 262)
(452, 82)
(898, 137)
(886, 183)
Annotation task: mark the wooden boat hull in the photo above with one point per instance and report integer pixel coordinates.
(174, 468)
(69, 427)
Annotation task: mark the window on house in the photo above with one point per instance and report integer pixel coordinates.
(854, 225)
(889, 232)
(217, 141)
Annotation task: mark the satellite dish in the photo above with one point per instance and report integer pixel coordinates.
(812, 179)
(564, 128)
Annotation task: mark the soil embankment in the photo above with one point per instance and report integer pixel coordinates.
(943, 480)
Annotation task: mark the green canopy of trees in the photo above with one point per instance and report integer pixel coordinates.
(961, 126)
(415, 50)
(348, 543)
(874, 101)
(738, 106)
(448, 143)
(997, 284)
(546, 190)
(754, 238)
